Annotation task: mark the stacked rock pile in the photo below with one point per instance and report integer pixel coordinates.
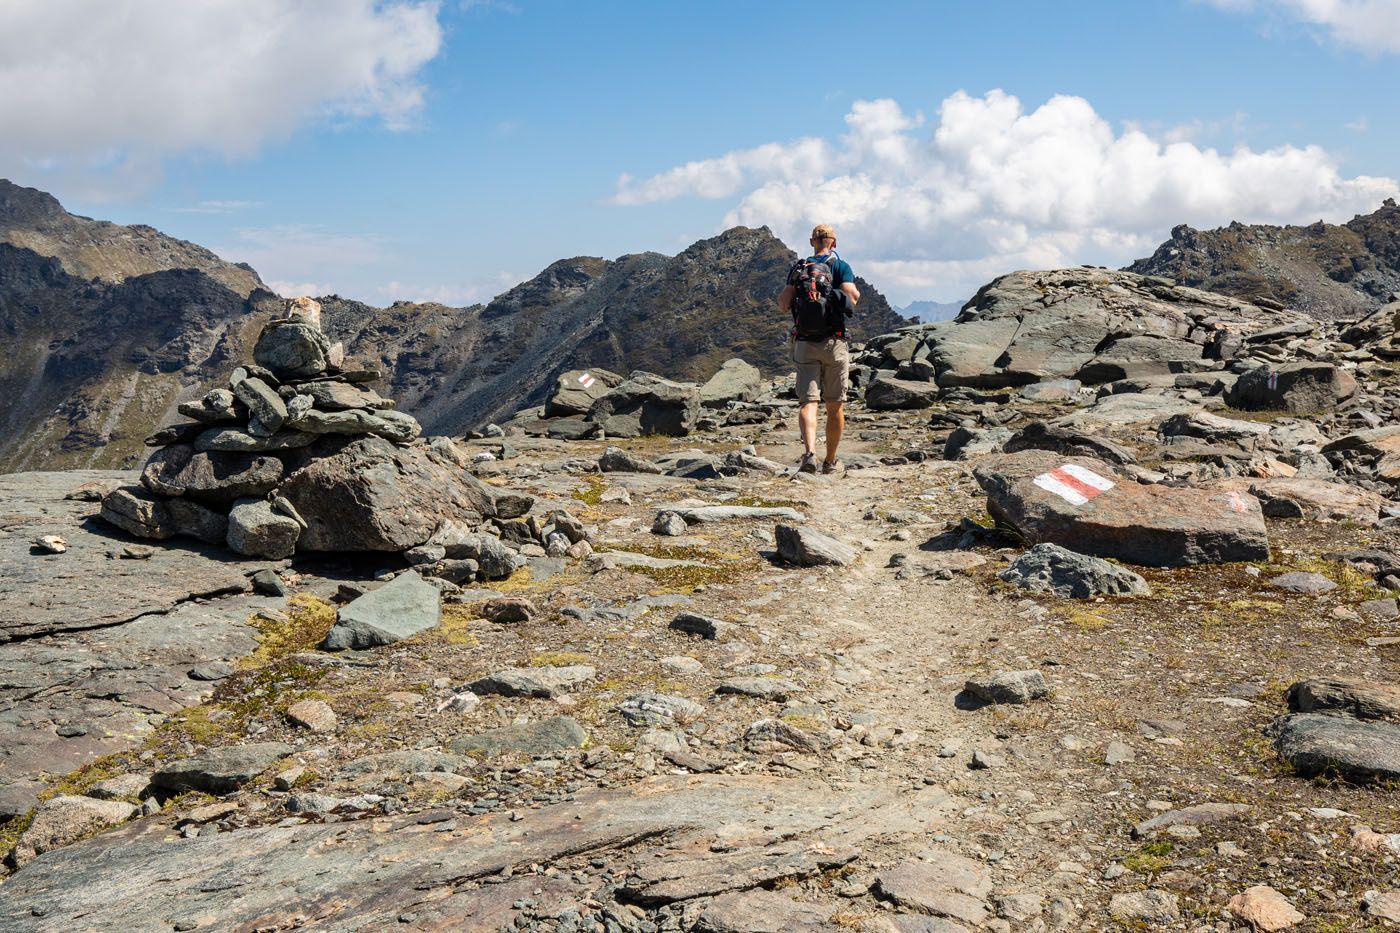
(298, 454)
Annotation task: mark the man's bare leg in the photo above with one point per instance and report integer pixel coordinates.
(807, 426)
(835, 424)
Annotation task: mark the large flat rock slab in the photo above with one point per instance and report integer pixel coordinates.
(365, 875)
(85, 588)
(108, 683)
(1082, 504)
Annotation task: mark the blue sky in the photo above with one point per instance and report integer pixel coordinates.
(445, 151)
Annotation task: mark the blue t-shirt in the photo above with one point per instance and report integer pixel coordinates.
(840, 269)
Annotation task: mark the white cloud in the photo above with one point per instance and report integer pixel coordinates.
(990, 187)
(103, 88)
(1370, 25)
(457, 294)
(217, 207)
(297, 289)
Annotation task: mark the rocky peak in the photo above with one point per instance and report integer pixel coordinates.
(97, 249)
(1328, 271)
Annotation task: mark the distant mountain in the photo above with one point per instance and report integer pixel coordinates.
(680, 316)
(928, 312)
(107, 328)
(1329, 271)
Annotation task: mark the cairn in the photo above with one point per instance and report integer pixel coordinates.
(298, 454)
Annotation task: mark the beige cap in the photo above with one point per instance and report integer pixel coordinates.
(823, 231)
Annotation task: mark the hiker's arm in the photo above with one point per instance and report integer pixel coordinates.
(850, 289)
(785, 299)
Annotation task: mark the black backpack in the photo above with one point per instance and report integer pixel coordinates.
(818, 307)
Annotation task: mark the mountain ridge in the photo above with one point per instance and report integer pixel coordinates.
(1329, 271)
(115, 326)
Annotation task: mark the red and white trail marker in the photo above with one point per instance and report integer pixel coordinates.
(1238, 504)
(586, 380)
(1273, 381)
(1074, 483)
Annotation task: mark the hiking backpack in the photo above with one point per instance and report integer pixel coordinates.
(818, 312)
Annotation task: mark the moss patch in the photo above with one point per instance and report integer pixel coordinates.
(309, 618)
(558, 659)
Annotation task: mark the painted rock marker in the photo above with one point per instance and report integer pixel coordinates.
(1074, 483)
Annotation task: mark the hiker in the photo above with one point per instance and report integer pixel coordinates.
(821, 292)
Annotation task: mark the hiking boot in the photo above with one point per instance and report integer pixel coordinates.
(808, 464)
(833, 466)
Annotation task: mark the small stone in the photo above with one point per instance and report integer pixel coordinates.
(669, 524)
(268, 583)
(50, 544)
(220, 770)
(1013, 687)
(762, 688)
(399, 609)
(1152, 906)
(682, 664)
(545, 682)
(1384, 905)
(1118, 753)
(214, 670)
(658, 709)
(704, 626)
(985, 761)
(286, 780)
(1299, 582)
(425, 554)
(806, 547)
(508, 610)
(314, 715)
(255, 530)
(1265, 909)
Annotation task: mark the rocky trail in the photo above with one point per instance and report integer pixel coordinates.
(683, 688)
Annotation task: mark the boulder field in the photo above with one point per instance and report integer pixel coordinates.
(1087, 638)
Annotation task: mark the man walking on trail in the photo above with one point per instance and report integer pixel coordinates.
(820, 293)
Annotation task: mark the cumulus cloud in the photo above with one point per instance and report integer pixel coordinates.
(1369, 25)
(935, 208)
(112, 88)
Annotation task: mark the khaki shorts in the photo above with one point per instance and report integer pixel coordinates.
(822, 369)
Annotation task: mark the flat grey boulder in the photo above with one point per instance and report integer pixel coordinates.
(236, 440)
(545, 682)
(332, 395)
(1316, 743)
(137, 512)
(617, 460)
(1013, 687)
(1083, 504)
(1302, 388)
(736, 381)
(534, 738)
(292, 349)
(372, 495)
(255, 530)
(391, 425)
(1201, 814)
(576, 390)
(761, 911)
(649, 708)
(806, 547)
(399, 609)
(947, 885)
(66, 819)
(1362, 699)
(220, 770)
(1040, 435)
(214, 477)
(647, 404)
(888, 394)
(1049, 568)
